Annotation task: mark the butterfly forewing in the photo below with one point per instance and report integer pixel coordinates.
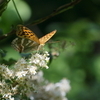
(45, 38)
(24, 32)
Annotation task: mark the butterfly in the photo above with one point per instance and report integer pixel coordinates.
(25, 32)
(28, 40)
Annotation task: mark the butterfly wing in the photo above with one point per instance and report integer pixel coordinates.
(45, 38)
(24, 32)
(24, 45)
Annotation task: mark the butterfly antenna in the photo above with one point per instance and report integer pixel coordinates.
(17, 11)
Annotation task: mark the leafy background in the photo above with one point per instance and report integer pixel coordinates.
(80, 63)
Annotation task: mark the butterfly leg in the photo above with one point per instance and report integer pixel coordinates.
(39, 48)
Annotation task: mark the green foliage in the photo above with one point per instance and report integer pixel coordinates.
(80, 60)
(3, 6)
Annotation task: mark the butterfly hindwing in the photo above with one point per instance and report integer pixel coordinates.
(24, 45)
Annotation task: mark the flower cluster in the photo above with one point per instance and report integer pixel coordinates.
(25, 81)
(52, 91)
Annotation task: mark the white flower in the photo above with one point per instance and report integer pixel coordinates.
(3, 68)
(26, 78)
(20, 67)
(39, 77)
(40, 60)
(64, 86)
(5, 71)
(32, 69)
(21, 74)
(61, 88)
(51, 91)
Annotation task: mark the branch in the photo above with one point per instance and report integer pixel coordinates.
(3, 5)
(56, 12)
(8, 34)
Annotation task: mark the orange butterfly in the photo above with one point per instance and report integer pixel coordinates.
(24, 32)
(28, 40)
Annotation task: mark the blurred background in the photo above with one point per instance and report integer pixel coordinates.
(79, 59)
